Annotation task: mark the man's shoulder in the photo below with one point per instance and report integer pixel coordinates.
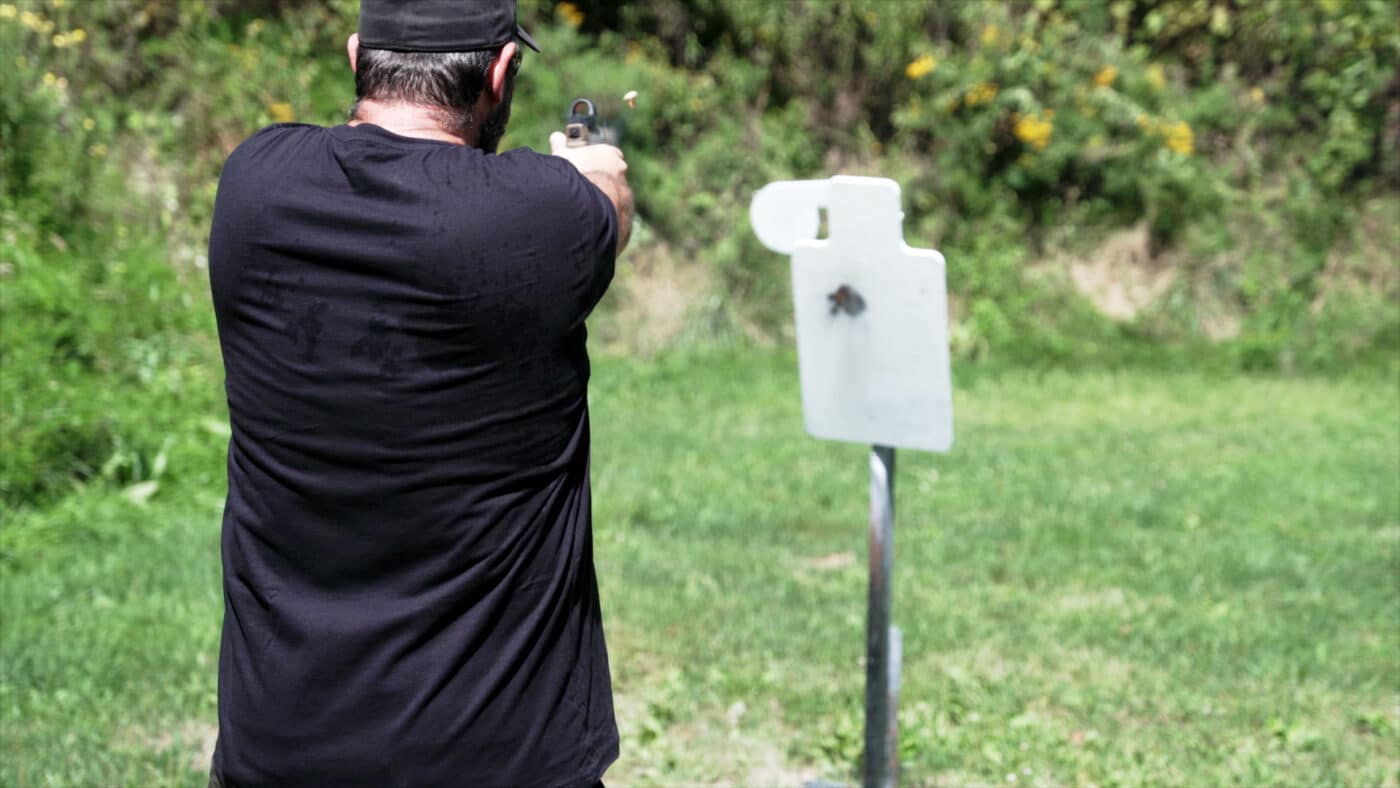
(542, 167)
(281, 131)
(269, 137)
(554, 179)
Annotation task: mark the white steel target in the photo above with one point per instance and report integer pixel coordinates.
(873, 357)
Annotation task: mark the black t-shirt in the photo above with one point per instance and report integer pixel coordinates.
(410, 597)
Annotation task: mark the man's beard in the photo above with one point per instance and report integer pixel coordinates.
(493, 127)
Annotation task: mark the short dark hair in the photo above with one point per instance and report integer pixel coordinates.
(449, 82)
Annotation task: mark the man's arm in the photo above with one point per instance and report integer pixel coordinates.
(607, 169)
(617, 190)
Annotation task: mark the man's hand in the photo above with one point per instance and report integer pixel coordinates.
(605, 159)
(607, 169)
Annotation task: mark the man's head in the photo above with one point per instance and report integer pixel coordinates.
(455, 87)
(456, 59)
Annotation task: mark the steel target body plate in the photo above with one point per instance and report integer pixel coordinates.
(871, 316)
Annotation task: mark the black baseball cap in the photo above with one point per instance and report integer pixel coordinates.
(439, 25)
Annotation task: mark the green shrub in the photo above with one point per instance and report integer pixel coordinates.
(1248, 136)
(108, 366)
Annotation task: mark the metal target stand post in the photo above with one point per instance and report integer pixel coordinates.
(871, 315)
(883, 644)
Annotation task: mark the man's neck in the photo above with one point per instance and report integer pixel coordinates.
(406, 120)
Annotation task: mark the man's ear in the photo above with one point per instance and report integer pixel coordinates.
(352, 50)
(499, 69)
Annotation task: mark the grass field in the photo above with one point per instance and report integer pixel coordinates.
(1128, 578)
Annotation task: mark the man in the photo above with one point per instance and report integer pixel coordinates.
(410, 597)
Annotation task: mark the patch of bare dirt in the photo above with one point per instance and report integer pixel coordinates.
(195, 737)
(1121, 277)
(832, 562)
(715, 747)
(655, 295)
(768, 767)
(1368, 262)
(1221, 326)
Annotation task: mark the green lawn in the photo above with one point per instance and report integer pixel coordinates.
(1114, 578)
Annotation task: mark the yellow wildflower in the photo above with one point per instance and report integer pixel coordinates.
(8, 11)
(921, 66)
(35, 23)
(1145, 122)
(58, 3)
(49, 78)
(61, 40)
(89, 124)
(570, 13)
(1257, 94)
(281, 112)
(1034, 130)
(99, 150)
(991, 34)
(1106, 76)
(981, 93)
(1156, 76)
(871, 18)
(1178, 138)
(1220, 21)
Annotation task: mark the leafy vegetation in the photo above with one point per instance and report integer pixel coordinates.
(109, 372)
(1138, 566)
(1246, 136)
(1255, 143)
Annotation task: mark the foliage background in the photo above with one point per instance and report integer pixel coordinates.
(1203, 185)
(1246, 151)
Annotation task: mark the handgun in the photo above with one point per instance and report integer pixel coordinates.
(583, 126)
